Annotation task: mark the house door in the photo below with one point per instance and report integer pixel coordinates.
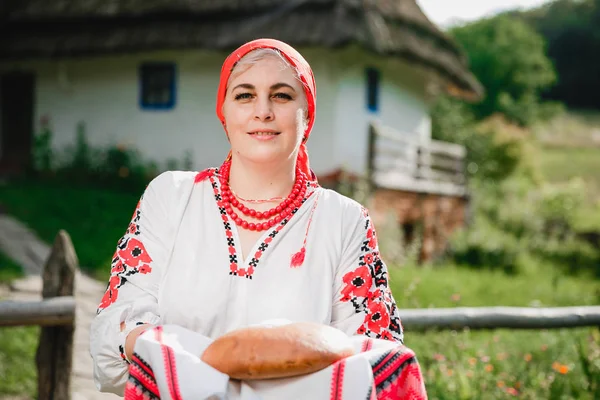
(16, 121)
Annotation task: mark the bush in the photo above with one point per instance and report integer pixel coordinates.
(113, 167)
(516, 213)
(485, 246)
(42, 153)
(517, 218)
(489, 156)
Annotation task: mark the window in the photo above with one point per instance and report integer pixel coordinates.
(373, 77)
(157, 85)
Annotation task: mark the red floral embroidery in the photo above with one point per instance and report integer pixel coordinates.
(358, 283)
(130, 258)
(378, 318)
(366, 287)
(110, 296)
(387, 335)
(372, 238)
(134, 254)
(117, 266)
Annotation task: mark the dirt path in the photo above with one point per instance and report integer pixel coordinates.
(17, 242)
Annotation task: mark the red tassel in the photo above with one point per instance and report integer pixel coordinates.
(298, 258)
(201, 176)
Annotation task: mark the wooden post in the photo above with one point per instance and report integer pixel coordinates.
(55, 350)
(419, 164)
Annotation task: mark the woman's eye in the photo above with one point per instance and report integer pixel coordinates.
(283, 96)
(243, 96)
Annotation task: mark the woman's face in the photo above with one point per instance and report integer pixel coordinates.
(264, 112)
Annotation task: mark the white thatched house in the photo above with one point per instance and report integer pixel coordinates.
(145, 73)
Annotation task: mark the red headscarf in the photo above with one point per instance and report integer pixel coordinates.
(304, 72)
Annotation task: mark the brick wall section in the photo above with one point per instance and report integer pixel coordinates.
(436, 216)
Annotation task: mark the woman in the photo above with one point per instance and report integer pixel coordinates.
(254, 241)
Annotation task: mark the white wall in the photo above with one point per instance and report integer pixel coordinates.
(321, 146)
(403, 105)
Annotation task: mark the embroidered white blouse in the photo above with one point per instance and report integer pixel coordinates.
(180, 263)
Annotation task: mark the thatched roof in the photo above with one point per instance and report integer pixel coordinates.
(56, 28)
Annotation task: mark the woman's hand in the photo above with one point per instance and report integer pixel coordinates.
(132, 337)
(277, 352)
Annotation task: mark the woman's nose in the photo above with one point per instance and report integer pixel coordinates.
(263, 110)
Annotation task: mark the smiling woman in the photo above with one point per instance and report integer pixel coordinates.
(250, 281)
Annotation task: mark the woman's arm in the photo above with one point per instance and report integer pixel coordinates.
(130, 300)
(363, 302)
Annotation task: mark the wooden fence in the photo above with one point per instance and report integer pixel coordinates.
(55, 314)
(397, 161)
(499, 317)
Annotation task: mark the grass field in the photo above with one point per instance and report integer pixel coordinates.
(560, 165)
(569, 148)
(499, 364)
(17, 346)
(17, 361)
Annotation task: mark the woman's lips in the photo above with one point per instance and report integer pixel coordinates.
(264, 135)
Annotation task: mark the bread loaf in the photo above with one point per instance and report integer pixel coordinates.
(277, 352)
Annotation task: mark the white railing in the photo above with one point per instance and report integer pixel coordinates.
(396, 161)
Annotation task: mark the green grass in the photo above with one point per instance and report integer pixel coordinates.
(17, 346)
(495, 364)
(569, 147)
(451, 286)
(94, 218)
(503, 364)
(574, 128)
(559, 165)
(17, 361)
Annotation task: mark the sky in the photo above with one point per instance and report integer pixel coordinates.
(447, 12)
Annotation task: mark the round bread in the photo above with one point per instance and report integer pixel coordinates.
(277, 352)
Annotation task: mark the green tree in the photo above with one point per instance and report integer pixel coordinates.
(509, 59)
(572, 31)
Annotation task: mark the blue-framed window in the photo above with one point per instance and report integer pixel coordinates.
(158, 83)
(373, 79)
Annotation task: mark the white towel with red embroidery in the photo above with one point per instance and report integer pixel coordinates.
(166, 365)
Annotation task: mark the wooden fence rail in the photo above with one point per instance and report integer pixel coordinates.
(500, 317)
(55, 313)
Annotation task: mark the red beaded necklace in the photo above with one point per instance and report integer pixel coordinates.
(273, 216)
